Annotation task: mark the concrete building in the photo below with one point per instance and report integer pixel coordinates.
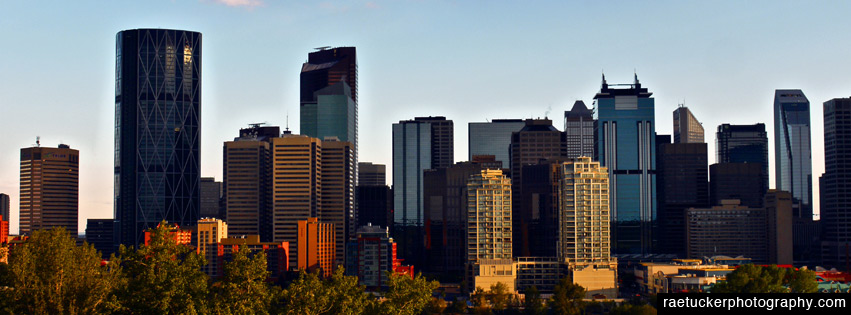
(370, 255)
(489, 248)
(492, 138)
(372, 174)
(338, 192)
(836, 184)
(180, 236)
(316, 246)
(779, 226)
(742, 181)
(626, 131)
(743, 144)
(686, 127)
(730, 229)
(375, 205)
(50, 185)
(211, 198)
(543, 273)
(101, 234)
(682, 182)
(793, 161)
(537, 140)
(157, 130)
(210, 233)
(4, 230)
(247, 187)
(579, 130)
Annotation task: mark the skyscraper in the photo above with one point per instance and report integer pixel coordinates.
(686, 127)
(489, 248)
(157, 130)
(836, 184)
(211, 197)
(793, 161)
(101, 234)
(372, 174)
(682, 182)
(626, 146)
(419, 144)
(338, 192)
(210, 233)
(538, 140)
(740, 181)
(247, 187)
(50, 184)
(316, 246)
(579, 128)
(492, 138)
(743, 144)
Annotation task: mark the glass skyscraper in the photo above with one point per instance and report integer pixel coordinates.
(626, 133)
(157, 130)
(579, 130)
(493, 138)
(793, 166)
(743, 144)
(686, 127)
(836, 183)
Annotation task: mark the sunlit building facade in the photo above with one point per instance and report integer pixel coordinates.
(50, 185)
(489, 245)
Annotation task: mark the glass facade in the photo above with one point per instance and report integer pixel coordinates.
(157, 130)
(493, 138)
(626, 147)
(835, 184)
(686, 127)
(743, 144)
(792, 148)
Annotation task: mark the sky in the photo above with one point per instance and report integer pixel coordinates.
(467, 60)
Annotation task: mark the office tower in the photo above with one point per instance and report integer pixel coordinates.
(296, 187)
(489, 248)
(536, 210)
(4, 231)
(492, 138)
(101, 234)
(584, 241)
(371, 254)
(686, 127)
(743, 144)
(740, 181)
(4, 205)
(419, 144)
(372, 174)
(277, 253)
(836, 184)
(445, 212)
(778, 211)
(247, 188)
(730, 229)
(157, 130)
(793, 161)
(211, 197)
(50, 184)
(579, 129)
(316, 246)
(375, 205)
(626, 146)
(682, 182)
(538, 140)
(210, 232)
(338, 192)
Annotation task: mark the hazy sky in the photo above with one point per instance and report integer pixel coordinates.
(466, 60)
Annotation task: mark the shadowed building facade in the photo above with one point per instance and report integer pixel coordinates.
(743, 144)
(157, 130)
(492, 138)
(682, 182)
(247, 170)
(836, 184)
(579, 130)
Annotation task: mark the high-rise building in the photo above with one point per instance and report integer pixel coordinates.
(247, 187)
(4, 205)
(445, 212)
(50, 185)
(375, 205)
(371, 254)
(579, 129)
(584, 235)
(626, 132)
(730, 229)
(296, 187)
(740, 181)
(101, 234)
(372, 174)
(157, 130)
(835, 184)
(211, 198)
(682, 182)
(489, 248)
(793, 161)
(779, 220)
(536, 208)
(338, 192)
(686, 127)
(210, 233)
(419, 144)
(492, 138)
(537, 140)
(743, 144)
(316, 246)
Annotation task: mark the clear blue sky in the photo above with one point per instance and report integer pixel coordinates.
(466, 60)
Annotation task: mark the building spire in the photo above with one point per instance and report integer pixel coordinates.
(604, 85)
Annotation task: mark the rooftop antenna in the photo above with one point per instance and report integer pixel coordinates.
(38, 141)
(287, 130)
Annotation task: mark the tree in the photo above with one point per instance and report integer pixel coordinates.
(435, 306)
(347, 295)
(532, 303)
(803, 281)
(243, 289)
(406, 296)
(456, 307)
(51, 275)
(340, 294)
(772, 279)
(632, 309)
(163, 277)
(499, 296)
(567, 297)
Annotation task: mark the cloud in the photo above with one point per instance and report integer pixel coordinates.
(241, 3)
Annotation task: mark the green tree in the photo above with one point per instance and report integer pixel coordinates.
(243, 289)
(532, 302)
(753, 279)
(499, 296)
(456, 307)
(51, 275)
(567, 297)
(632, 309)
(435, 306)
(406, 296)
(803, 281)
(163, 277)
(481, 305)
(339, 294)
(347, 295)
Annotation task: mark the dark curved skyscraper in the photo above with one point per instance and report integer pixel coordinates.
(157, 130)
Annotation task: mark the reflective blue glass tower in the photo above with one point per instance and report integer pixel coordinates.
(626, 145)
(157, 130)
(792, 150)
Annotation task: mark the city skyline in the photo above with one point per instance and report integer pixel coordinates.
(406, 72)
